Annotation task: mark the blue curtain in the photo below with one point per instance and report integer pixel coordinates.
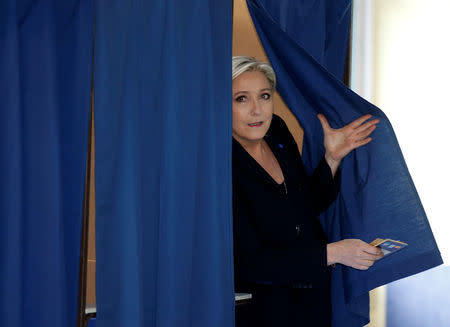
(163, 163)
(45, 73)
(320, 27)
(378, 197)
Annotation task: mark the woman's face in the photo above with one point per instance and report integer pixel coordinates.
(252, 107)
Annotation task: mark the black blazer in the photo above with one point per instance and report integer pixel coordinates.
(279, 244)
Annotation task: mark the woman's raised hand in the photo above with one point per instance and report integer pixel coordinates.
(353, 253)
(339, 142)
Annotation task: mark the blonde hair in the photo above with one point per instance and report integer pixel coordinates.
(242, 64)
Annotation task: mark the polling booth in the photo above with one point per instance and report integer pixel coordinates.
(121, 111)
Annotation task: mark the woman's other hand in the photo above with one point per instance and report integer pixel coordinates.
(339, 142)
(353, 253)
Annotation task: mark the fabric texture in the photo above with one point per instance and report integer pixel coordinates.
(45, 79)
(378, 197)
(163, 163)
(279, 244)
(320, 27)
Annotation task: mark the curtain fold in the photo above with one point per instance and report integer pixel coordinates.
(320, 27)
(45, 71)
(378, 197)
(163, 163)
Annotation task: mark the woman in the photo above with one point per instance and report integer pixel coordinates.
(281, 253)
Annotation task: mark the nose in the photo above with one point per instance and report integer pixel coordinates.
(256, 107)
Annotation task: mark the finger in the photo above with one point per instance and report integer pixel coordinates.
(362, 142)
(371, 249)
(369, 256)
(366, 132)
(323, 122)
(359, 121)
(367, 263)
(360, 267)
(367, 125)
(381, 255)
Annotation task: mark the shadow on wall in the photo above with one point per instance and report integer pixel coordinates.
(422, 300)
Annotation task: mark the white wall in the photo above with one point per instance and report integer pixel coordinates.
(401, 63)
(411, 85)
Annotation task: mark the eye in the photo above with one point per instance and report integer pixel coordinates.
(266, 96)
(240, 98)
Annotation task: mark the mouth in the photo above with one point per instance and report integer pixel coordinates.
(257, 124)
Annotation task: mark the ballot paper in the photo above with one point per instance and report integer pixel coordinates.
(388, 246)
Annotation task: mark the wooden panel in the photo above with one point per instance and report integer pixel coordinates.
(90, 295)
(90, 283)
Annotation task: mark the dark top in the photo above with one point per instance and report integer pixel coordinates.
(279, 245)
